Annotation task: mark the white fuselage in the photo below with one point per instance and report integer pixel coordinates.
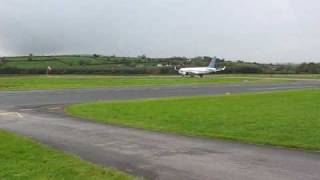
(197, 70)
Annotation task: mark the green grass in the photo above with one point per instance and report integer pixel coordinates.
(286, 118)
(298, 76)
(54, 62)
(63, 82)
(36, 64)
(60, 62)
(284, 76)
(22, 158)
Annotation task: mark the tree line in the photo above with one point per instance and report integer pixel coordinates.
(143, 65)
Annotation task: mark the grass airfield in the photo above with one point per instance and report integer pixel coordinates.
(23, 158)
(287, 118)
(95, 81)
(281, 76)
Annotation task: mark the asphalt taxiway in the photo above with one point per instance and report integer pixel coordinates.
(40, 115)
(67, 96)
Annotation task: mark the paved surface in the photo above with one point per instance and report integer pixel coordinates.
(149, 154)
(24, 98)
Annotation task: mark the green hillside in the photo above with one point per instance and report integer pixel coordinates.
(97, 64)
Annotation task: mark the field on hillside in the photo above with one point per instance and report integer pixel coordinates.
(63, 62)
(74, 81)
(81, 64)
(22, 158)
(285, 118)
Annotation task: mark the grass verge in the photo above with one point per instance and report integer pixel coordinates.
(284, 118)
(22, 158)
(78, 81)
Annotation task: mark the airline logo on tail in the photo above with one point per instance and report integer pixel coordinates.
(213, 62)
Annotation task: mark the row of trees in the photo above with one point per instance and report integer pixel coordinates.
(300, 69)
(145, 65)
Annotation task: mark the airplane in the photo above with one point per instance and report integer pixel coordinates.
(201, 71)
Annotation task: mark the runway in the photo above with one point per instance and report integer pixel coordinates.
(153, 155)
(46, 97)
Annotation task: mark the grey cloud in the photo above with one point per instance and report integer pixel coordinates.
(265, 30)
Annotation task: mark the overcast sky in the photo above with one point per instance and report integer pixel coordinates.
(257, 30)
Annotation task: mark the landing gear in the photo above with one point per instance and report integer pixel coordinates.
(189, 74)
(201, 75)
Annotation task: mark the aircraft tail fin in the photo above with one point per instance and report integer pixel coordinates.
(213, 62)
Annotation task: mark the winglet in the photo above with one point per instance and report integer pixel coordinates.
(221, 69)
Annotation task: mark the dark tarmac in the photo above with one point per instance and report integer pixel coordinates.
(46, 97)
(39, 114)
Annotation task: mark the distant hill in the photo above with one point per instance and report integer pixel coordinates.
(96, 64)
